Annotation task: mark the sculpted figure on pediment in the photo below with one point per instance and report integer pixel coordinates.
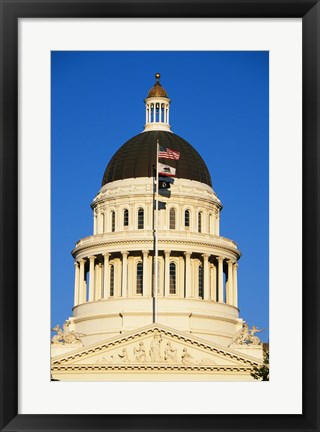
(65, 336)
(241, 336)
(124, 357)
(186, 358)
(170, 354)
(140, 353)
(246, 336)
(155, 348)
(252, 338)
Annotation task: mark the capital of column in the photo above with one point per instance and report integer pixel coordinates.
(92, 258)
(235, 265)
(76, 263)
(82, 260)
(205, 256)
(187, 254)
(125, 253)
(106, 255)
(167, 253)
(230, 262)
(145, 253)
(220, 259)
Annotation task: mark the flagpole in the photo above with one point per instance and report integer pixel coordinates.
(156, 240)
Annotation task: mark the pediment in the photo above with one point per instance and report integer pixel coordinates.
(154, 347)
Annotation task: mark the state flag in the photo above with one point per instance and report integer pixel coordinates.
(166, 170)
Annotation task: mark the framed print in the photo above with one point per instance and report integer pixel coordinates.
(150, 335)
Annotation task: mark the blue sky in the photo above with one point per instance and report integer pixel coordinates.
(220, 104)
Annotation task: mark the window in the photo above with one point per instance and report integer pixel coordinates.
(187, 218)
(201, 281)
(113, 221)
(172, 221)
(140, 218)
(199, 222)
(112, 280)
(126, 218)
(139, 278)
(172, 287)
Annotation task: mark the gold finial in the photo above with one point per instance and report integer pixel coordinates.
(157, 75)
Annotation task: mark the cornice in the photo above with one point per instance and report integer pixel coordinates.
(164, 242)
(150, 368)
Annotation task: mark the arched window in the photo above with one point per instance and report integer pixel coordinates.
(200, 281)
(199, 222)
(187, 218)
(111, 280)
(139, 278)
(172, 221)
(113, 221)
(126, 218)
(172, 287)
(140, 218)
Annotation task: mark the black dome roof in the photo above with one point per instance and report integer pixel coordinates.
(136, 157)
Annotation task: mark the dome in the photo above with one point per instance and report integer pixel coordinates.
(137, 156)
(157, 90)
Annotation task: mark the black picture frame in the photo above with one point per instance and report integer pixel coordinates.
(11, 11)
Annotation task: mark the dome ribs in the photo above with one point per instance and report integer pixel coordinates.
(138, 155)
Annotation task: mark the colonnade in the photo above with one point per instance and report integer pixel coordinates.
(161, 108)
(114, 275)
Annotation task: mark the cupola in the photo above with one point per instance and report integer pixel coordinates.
(157, 108)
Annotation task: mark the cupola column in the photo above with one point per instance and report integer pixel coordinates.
(206, 293)
(83, 294)
(91, 278)
(230, 283)
(235, 284)
(106, 283)
(188, 274)
(76, 283)
(220, 279)
(213, 282)
(124, 274)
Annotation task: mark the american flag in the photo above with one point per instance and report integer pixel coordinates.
(168, 153)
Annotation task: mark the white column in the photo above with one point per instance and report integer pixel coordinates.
(220, 279)
(168, 114)
(91, 278)
(188, 274)
(76, 283)
(217, 224)
(166, 272)
(94, 222)
(150, 280)
(83, 296)
(106, 282)
(98, 282)
(160, 112)
(230, 283)
(147, 113)
(235, 284)
(213, 283)
(145, 273)
(124, 274)
(181, 278)
(206, 292)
